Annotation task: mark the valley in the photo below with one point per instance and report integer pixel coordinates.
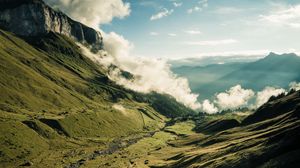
(71, 96)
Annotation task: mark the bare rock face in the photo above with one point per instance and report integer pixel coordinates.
(35, 18)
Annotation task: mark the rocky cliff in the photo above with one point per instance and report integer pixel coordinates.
(35, 18)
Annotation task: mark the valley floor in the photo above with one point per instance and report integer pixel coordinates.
(140, 150)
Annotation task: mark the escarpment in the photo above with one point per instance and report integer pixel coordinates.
(35, 18)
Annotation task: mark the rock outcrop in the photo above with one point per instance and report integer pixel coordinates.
(35, 18)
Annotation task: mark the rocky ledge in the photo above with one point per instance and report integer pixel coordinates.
(35, 18)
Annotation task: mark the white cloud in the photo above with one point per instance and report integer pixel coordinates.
(199, 6)
(264, 95)
(237, 97)
(151, 75)
(234, 98)
(172, 34)
(177, 4)
(91, 12)
(154, 34)
(165, 12)
(194, 9)
(193, 32)
(117, 45)
(285, 17)
(209, 107)
(227, 10)
(294, 85)
(212, 42)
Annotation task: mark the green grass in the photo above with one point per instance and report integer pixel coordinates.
(48, 79)
(182, 128)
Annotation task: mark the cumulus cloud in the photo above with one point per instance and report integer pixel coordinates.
(209, 107)
(91, 12)
(117, 45)
(264, 95)
(165, 12)
(151, 75)
(234, 98)
(294, 85)
(237, 97)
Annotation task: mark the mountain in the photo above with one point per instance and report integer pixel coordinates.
(267, 138)
(34, 18)
(58, 108)
(54, 100)
(201, 76)
(273, 70)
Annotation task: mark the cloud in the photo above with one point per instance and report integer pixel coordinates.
(153, 33)
(172, 34)
(237, 97)
(233, 98)
(227, 10)
(199, 6)
(212, 42)
(284, 17)
(165, 12)
(177, 4)
(209, 107)
(117, 45)
(150, 74)
(193, 32)
(91, 12)
(294, 85)
(264, 95)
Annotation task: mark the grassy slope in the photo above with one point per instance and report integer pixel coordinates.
(53, 100)
(272, 141)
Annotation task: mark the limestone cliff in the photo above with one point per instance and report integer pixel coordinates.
(35, 18)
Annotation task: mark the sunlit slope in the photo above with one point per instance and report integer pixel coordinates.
(267, 138)
(53, 98)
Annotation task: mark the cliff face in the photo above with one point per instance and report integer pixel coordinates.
(34, 18)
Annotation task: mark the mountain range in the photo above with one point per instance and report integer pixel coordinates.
(272, 70)
(58, 108)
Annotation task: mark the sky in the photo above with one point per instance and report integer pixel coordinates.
(192, 28)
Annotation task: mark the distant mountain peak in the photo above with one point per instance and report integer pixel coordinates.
(292, 57)
(35, 18)
(272, 54)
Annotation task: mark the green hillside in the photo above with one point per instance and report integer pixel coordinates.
(267, 138)
(54, 99)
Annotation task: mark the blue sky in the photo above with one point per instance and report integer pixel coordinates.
(191, 28)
